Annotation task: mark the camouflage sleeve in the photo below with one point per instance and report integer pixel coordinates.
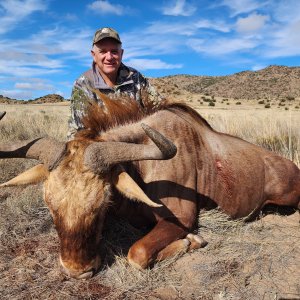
(151, 92)
(81, 94)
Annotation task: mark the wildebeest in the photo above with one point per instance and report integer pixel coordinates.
(169, 159)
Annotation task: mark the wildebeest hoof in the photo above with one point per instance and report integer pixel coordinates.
(196, 241)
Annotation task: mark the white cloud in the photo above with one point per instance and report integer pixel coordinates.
(286, 11)
(215, 25)
(185, 28)
(52, 42)
(28, 65)
(45, 52)
(105, 7)
(221, 46)
(178, 8)
(151, 64)
(24, 59)
(33, 86)
(285, 41)
(258, 67)
(251, 23)
(242, 6)
(178, 28)
(13, 12)
(16, 94)
(150, 44)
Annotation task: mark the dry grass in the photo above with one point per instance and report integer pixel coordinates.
(31, 121)
(258, 260)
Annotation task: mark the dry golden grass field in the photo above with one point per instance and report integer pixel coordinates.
(256, 260)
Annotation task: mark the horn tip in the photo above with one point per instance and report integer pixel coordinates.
(156, 205)
(2, 114)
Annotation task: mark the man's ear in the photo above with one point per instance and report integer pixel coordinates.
(93, 53)
(122, 51)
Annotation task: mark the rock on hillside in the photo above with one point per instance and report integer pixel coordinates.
(273, 82)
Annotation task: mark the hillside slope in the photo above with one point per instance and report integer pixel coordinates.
(51, 98)
(273, 82)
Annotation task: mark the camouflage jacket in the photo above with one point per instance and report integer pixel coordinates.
(129, 81)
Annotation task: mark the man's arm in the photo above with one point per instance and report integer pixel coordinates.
(151, 93)
(81, 94)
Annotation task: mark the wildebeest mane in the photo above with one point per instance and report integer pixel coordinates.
(124, 110)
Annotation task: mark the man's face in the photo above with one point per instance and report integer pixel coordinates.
(107, 55)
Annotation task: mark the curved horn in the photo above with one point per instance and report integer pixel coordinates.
(32, 176)
(2, 114)
(128, 187)
(48, 150)
(100, 156)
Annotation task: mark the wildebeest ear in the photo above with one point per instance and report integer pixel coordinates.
(129, 188)
(32, 176)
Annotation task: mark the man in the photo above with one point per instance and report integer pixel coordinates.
(109, 75)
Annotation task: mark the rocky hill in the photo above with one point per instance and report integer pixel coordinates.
(273, 82)
(51, 98)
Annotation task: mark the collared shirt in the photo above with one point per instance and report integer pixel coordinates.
(129, 81)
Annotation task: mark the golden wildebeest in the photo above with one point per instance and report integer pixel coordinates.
(169, 159)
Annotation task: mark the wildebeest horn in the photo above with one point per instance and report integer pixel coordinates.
(128, 187)
(100, 156)
(34, 175)
(2, 114)
(46, 150)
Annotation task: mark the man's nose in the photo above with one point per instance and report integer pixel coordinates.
(109, 55)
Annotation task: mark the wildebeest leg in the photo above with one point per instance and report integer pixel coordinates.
(166, 239)
(145, 251)
(282, 182)
(191, 242)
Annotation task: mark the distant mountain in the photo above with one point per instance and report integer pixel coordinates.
(51, 98)
(273, 82)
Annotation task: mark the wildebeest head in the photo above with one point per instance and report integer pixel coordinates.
(78, 180)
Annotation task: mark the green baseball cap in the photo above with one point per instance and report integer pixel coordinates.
(104, 33)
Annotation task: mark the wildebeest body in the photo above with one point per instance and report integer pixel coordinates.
(209, 168)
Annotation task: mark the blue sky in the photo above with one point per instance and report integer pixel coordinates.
(45, 44)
